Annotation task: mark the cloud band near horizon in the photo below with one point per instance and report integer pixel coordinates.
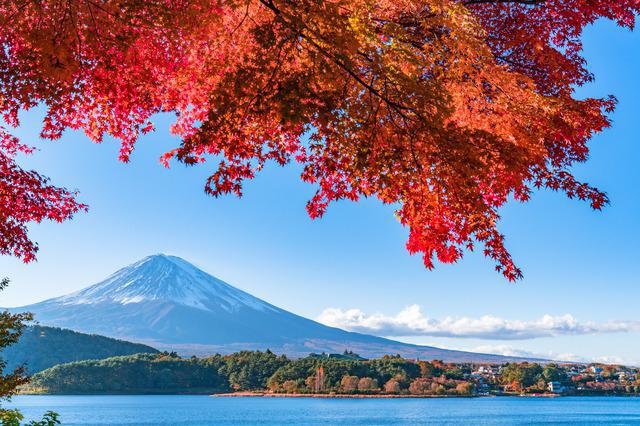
(412, 322)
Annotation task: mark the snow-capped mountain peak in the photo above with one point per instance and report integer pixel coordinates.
(163, 278)
(169, 303)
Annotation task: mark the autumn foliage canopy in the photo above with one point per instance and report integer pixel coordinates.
(445, 108)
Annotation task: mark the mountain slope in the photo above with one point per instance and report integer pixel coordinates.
(169, 303)
(42, 347)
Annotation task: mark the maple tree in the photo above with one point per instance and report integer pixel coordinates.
(445, 108)
(26, 196)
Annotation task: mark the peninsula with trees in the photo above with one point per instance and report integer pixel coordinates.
(257, 373)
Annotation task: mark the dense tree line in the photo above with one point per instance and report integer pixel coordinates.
(268, 372)
(161, 373)
(141, 373)
(242, 371)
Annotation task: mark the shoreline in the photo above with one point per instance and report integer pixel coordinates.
(258, 394)
(328, 395)
(335, 395)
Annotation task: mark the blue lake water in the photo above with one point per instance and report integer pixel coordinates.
(205, 410)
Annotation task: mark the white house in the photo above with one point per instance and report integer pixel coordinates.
(556, 387)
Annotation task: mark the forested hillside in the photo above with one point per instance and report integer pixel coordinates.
(42, 347)
(161, 373)
(242, 371)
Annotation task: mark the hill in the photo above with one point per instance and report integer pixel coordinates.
(170, 304)
(42, 347)
(134, 374)
(167, 373)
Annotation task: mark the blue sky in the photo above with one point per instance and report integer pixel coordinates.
(576, 261)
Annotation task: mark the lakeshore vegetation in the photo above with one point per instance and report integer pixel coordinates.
(343, 374)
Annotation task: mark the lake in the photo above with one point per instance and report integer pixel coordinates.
(204, 410)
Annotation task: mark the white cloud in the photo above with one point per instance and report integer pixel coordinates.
(412, 322)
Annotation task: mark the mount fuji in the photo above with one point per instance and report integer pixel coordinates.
(166, 302)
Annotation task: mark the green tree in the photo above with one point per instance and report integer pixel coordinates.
(250, 370)
(554, 373)
(11, 328)
(521, 375)
(141, 373)
(454, 374)
(335, 369)
(300, 368)
(14, 417)
(398, 368)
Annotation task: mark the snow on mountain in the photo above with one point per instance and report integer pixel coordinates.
(168, 303)
(169, 279)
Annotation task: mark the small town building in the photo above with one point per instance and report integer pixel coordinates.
(556, 387)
